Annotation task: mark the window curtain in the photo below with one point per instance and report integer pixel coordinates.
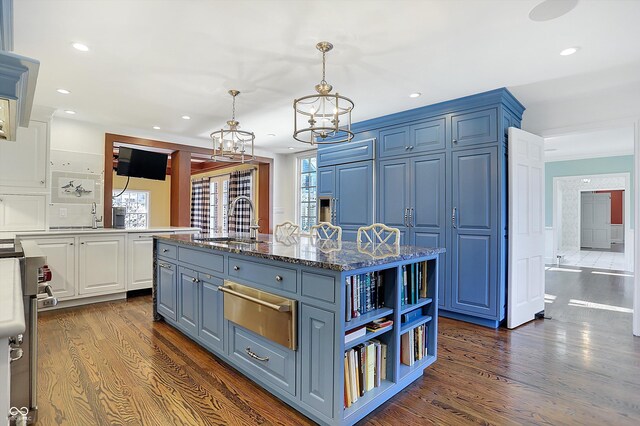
(200, 204)
(240, 183)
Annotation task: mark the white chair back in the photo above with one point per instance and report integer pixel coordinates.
(286, 229)
(327, 231)
(378, 233)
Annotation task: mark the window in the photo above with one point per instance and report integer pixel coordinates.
(137, 205)
(219, 203)
(307, 212)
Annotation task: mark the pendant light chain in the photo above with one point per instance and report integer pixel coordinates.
(324, 81)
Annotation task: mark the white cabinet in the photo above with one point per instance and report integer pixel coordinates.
(5, 377)
(22, 212)
(140, 258)
(101, 264)
(23, 163)
(61, 259)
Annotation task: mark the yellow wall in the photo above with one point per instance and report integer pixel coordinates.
(159, 196)
(227, 170)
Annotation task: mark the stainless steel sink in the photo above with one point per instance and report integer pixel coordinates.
(227, 240)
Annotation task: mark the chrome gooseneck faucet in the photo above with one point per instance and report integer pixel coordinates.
(253, 224)
(95, 220)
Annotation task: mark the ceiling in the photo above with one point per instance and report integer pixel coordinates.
(609, 142)
(151, 62)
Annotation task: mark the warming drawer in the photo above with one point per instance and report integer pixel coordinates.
(269, 315)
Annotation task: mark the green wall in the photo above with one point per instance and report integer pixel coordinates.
(591, 166)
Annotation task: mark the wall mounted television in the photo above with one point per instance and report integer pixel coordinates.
(141, 164)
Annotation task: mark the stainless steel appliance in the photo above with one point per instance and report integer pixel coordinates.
(118, 217)
(267, 314)
(36, 293)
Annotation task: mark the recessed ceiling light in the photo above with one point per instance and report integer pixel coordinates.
(156, 127)
(63, 91)
(80, 46)
(291, 147)
(186, 117)
(415, 95)
(271, 135)
(70, 112)
(569, 51)
(551, 9)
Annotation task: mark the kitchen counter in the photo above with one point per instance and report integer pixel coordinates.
(308, 251)
(88, 230)
(11, 306)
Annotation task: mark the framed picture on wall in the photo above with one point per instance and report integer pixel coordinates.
(75, 188)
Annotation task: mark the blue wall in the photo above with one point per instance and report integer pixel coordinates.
(591, 166)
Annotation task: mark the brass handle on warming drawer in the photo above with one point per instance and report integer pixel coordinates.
(279, 308)
(254, 356)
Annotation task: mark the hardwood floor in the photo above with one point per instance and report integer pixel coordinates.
(109, 364)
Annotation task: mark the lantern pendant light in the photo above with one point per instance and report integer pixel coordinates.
(232, 144)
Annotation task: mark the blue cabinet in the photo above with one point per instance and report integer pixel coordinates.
(474, 247)
(430, 135)
(166, 289)
(188, 300)
(393, 194)
(394, 141)
(472, 128)
(211, 324)
(356, 150)
(326, 181)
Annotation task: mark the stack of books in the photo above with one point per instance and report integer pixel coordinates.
(414, 283)
(413, 345)
(364, 293)
(365, 366)
(372, 327)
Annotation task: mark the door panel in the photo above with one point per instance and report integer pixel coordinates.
(474, 128)
(394, 141)
(61, 259)
(595, 221)
(354, 194)
(167, 289)
(393, 193)
(211, 311)
(474, 282)
(188, 300)
(101, 264)
(475, 188)
(326, 181)
(428, 136)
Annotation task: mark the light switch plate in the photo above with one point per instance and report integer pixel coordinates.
(63, 212)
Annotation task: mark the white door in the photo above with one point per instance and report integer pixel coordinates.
(595, 220)
(140, 258)
(101, 264)
(61, 259)
(23, 163)
(22, 212)
(525, 288)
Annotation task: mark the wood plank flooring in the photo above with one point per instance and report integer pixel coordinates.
(109, 364)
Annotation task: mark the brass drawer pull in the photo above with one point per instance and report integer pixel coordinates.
(254, 356)
(280, 308)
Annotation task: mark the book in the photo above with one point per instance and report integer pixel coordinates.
(423, 291)
(383, 361)
(411, 315)
(378, 366)
(379, 324)
(354, 334)
(353, 376)
(347, 383)
(348, 299)
(362, 363)
(370, 365)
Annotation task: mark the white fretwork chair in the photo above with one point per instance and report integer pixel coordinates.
(286, 229)
(378, 240)
(326, 231)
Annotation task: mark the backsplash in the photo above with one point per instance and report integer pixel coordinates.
(77, 181)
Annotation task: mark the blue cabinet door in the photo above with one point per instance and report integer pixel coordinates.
(394, 141)
(211, 311)
(393, 194)
(317, 349)
(166, 289)
(360, 150)
(326, 181)
(472, 128)
(428, 136)
(429, 214)
(354, 194)
(188, 300)
(474, 245)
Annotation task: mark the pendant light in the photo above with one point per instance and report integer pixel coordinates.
(323, 118)
(233, 145)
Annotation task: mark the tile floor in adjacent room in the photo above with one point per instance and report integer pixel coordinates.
(613, 259)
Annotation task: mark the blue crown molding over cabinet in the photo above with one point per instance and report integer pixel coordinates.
(440, 177)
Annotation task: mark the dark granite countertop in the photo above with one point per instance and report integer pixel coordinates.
(308, 251)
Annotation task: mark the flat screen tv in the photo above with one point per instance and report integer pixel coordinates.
(141, 164)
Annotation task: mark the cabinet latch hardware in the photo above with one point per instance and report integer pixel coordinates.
(254, 356)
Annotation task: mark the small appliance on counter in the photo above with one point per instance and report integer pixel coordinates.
(118, 217)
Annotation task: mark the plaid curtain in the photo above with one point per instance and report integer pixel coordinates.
(240, 183)
(200, 204)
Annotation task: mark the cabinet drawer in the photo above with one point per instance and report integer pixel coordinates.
(166, 250)
(267, 360)
(345, 153)
(261, 273)
(317, 286)
(204, 259)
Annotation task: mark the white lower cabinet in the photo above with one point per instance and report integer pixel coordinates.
(140, 258)
(22, 212)
(101, 264)
(61, 258)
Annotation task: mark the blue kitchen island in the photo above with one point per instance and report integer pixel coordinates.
(278, 311)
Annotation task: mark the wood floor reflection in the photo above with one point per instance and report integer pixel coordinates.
(110, 364)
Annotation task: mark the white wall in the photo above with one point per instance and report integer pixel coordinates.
(284, 187)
